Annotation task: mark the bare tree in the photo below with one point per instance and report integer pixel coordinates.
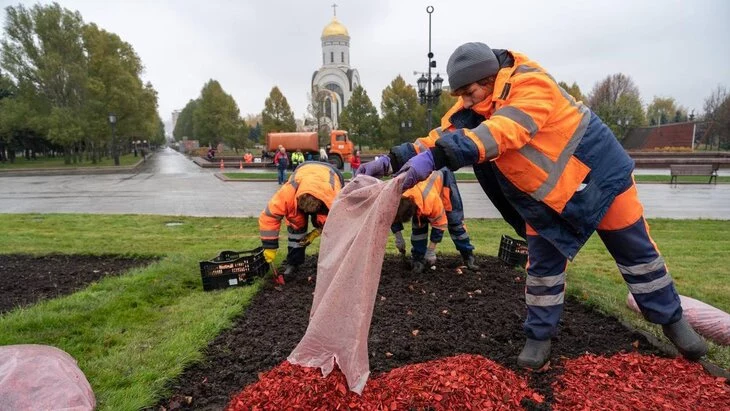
(611, 89)
(617, 102)
(316, 110)
(717, 116)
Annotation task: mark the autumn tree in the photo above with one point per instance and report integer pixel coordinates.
(360, 118)
(445, 102)
(7, 92)
(69, 77)
(616, 101)
(184, 125)
(573, 90)
(114, 85)
(216, 118)
(663, 110)
(403, 118)
(39, 44)
(277, 115)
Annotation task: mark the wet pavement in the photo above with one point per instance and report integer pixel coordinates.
(169, 183)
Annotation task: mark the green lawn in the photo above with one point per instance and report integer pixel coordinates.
(58, 162)
(132, 334)
(466, 176)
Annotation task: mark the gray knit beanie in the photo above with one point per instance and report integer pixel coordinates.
(469, 63)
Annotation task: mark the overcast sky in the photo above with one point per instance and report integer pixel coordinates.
(671, 48)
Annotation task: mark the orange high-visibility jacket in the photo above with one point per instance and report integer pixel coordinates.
(544, 143)
(531, 130)
(428, 197)
(318, 179)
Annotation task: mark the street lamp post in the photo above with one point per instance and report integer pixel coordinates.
(405, 126)
(113, 122)
(624, 125)
(427, 94)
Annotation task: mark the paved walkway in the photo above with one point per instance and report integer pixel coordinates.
(170, 184)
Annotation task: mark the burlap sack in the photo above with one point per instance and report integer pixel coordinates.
(40, 377)
(710, 322)
(348, 272)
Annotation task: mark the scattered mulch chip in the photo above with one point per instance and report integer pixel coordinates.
(638, 382)
(461, 382)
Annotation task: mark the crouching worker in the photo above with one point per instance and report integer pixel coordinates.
(308, 193)
(435, 201)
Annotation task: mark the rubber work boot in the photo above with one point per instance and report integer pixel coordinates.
(534, 354)
(290, 270)
(687, 341)
(418, 267)
(471, 262)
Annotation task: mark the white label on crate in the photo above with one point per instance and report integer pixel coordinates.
(233, 281)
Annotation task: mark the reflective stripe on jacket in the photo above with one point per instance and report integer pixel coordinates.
(318, 179)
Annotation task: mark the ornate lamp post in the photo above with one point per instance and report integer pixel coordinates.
(624, 126)
(113, 122)
(405, 126)
(429, 89)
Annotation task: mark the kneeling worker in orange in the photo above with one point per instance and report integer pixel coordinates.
(435, 201)
(308, 193)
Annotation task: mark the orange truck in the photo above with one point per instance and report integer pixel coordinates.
(339, 150)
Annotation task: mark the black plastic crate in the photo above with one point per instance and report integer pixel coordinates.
(513, 251)
(233, 268)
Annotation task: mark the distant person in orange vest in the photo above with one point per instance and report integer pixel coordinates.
(436, 202)
(248, 157)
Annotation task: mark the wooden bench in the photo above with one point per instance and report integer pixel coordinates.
(693, 170)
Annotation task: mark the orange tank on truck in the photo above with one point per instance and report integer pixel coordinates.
(339, 148)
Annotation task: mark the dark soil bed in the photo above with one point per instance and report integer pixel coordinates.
(27, 279)
(478, 313)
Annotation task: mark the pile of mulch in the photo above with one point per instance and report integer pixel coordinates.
(624, 381)
(461, 382)
(630, 381)
(27, 279)
(416, 319)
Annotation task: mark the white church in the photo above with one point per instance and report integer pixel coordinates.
(335, 76)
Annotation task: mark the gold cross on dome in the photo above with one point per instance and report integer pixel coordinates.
(334, 8)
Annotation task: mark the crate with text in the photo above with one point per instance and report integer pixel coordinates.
(233, 268)
(512, 251)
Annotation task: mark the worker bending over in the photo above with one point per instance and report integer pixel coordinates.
(435, 201)
(307, 194)
(562, 171)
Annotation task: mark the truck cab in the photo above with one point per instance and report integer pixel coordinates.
(340, 149)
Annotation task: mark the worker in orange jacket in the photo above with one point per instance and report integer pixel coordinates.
(435, 201)
(308, 193)
(548, 160)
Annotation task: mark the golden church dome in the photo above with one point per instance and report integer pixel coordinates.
(335, 28)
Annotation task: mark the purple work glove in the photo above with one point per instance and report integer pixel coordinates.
(417, 169)
(377, 168)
